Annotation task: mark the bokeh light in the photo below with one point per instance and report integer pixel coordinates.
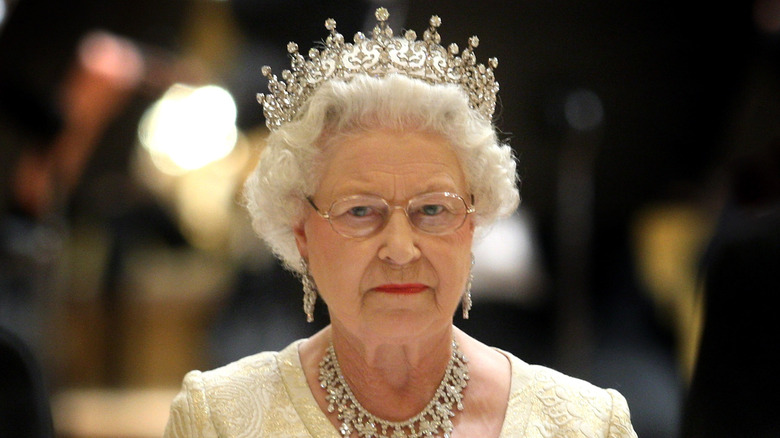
(189, 128)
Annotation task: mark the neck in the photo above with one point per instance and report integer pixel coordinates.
(393, 379)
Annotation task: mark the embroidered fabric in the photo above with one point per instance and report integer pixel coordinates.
(266, 395)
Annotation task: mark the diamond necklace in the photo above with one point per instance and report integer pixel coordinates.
(434, 418)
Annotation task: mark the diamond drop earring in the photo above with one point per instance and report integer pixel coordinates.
(309, 291)
(465, 301)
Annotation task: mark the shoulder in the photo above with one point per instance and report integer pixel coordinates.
(243, 395)
(561, 404)
(242, 371)
(251, 384)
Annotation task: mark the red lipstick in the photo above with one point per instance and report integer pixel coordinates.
(402, 289)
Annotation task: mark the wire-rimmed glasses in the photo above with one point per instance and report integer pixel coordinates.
(435, 213)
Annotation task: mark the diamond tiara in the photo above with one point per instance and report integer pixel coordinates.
(378, 56)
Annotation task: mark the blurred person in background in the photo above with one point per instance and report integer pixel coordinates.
(734, 382)
(733, 388)
(47, 141)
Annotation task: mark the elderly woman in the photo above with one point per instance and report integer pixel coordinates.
(381, 166)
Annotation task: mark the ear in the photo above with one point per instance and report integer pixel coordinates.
(300, 240)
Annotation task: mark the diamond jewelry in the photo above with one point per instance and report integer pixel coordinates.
(378, 56)
(309, 291)
(434, 419)
(465, 301)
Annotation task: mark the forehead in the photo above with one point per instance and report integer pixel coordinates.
(410, 161)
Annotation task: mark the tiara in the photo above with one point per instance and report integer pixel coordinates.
(378, 56)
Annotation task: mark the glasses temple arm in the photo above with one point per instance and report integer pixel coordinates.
(314, 206)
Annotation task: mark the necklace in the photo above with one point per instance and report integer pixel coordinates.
(434, 418)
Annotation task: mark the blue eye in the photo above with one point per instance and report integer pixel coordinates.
(432, 209)
(360, 211)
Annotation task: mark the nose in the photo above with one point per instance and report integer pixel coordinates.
(400, 239)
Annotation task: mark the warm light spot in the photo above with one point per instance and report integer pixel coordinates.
(189, 128)
(113, 57)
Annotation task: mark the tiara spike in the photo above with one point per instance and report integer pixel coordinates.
(381, 15)
(330, 24)
(380, 55)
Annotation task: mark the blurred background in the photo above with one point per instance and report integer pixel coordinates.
(642, 257)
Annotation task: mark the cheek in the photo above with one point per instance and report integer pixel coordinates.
(452, 260)
(465, 239)
(322, 246)
(336, 263)
(461, 241)
(319, 239)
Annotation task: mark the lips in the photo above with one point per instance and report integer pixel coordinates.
(401, 289)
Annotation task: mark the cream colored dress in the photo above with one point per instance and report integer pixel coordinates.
(266, 395)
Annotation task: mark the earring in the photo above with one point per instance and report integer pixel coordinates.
(465, 301)
(309, 291)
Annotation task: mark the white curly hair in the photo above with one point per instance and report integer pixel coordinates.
(290, 165)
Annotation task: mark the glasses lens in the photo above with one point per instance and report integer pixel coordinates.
(359, 215)
(437, 213)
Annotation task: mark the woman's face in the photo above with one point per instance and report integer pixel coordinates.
(399, 282)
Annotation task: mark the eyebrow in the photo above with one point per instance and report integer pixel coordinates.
(363, 186)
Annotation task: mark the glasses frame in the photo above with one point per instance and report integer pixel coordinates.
(327, 216)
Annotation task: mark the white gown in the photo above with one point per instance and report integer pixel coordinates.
(266, 395)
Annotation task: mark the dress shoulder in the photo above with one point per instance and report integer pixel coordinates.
(246, 398)
(556, 404)
(189, 413)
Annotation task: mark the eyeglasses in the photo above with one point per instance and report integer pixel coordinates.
(363, 215)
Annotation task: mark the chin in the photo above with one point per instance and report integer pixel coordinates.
(405, 324)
